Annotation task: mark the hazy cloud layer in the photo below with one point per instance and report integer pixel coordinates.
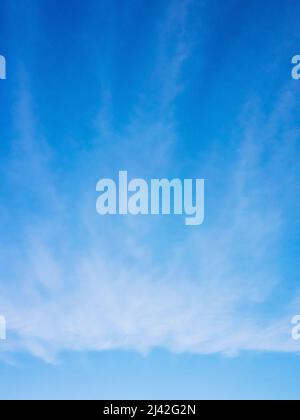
(71, 280)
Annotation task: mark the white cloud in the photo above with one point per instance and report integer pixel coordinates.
(122, 284)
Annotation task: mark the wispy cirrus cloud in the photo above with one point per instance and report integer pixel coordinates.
(77, 282)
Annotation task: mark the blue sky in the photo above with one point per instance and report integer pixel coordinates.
(146, 307)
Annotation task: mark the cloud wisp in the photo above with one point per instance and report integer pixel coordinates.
(77, 283)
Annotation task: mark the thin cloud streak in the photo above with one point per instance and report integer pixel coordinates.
(205, 294)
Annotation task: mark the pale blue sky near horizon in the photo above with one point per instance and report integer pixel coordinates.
(146, 307)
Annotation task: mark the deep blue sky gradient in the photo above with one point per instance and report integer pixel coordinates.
(145, 307)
